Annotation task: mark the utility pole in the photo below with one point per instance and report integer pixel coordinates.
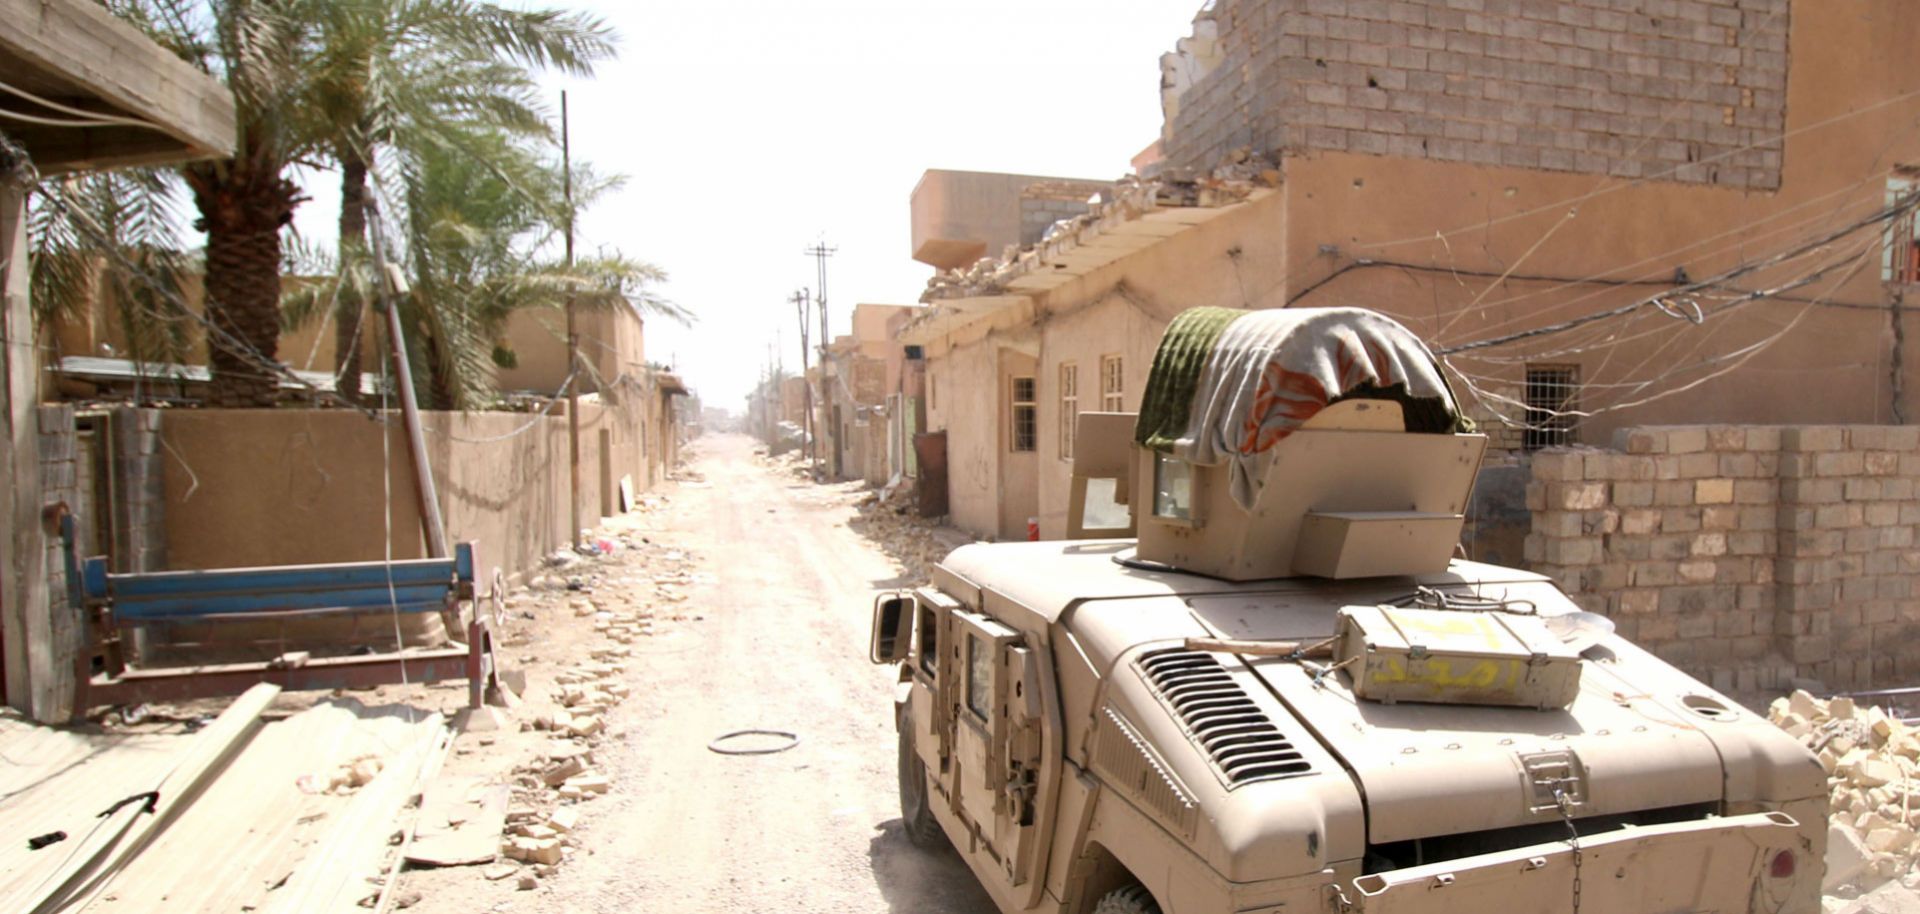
(573, 338)
(799, 300)
(820, 252)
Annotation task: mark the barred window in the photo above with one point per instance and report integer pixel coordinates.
(1552, 394)
(1025, 431)
(1069, 406)
(1112, 385)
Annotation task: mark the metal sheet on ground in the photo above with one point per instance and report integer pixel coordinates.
(460, 823)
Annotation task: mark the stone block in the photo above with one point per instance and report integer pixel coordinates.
(1640, 440)
(1697, 466)
(1880, 463)
(1697, 572)
(1763, 438)
(1839, 463)
(1754, 492)
(1680, 520)
(1640, 522)
(1713, 492)
(1633, 494)
(1584, 496)
(1740, 466)
(1726, 438)
(1812, 438)
(1687, 439)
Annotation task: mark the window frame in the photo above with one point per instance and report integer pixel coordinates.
(1901, 236)
(1542, 428)
(1069, 407)
(1113, 384)
(1017, 408)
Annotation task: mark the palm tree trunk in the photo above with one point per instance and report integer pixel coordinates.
(352, 247)
(242, 211)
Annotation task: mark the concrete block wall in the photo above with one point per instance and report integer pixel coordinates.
(1677, 89)
(139, 528)
(59, 480)
(1751, 556)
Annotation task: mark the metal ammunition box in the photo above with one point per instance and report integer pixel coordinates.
(1454, 657)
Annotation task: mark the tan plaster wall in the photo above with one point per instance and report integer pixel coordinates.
(612, 343)
(321, 497)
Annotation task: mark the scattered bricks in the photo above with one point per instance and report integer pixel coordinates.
(586, 725)
(1686, 440)
(535, 850)
(558, 774)
(590, 783)
(1713, 492)
(565, 819)
(1584, 496)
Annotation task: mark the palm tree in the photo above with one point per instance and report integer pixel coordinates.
(261, 50)
(477, 227)
(110, 237)
(409, 74)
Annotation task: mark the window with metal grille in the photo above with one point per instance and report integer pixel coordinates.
(1112, 385)
(1025, 431)
(1551, 396)
(1900, 261)
(1069, 406)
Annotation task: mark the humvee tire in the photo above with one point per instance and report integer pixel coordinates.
(915, 818)
(1132, 899)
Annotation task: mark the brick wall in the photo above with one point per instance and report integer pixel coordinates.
(1043, 203)
(1749, 556)
(1621, 87)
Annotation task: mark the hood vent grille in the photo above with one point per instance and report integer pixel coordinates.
(1239, 737)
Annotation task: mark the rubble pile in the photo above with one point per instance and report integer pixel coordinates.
(1239, 174)
(622, 584)
(1871, 759)
(887, 518)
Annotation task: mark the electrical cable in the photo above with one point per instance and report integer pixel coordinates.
(96, 119)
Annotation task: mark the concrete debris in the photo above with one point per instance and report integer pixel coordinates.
(1872, 760)
(912, 541)
(1239, 177)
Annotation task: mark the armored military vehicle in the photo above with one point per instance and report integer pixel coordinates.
(1259, 678)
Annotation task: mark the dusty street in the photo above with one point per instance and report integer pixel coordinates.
(782, 643)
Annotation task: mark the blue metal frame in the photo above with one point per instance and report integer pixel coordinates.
(410, 586)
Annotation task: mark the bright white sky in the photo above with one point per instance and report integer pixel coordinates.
(750, 130)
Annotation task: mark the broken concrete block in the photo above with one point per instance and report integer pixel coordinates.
(1805, 705)
(589, 725)
(590, 783)
(499, 871)
(537, 850)
(1847, 858)
(1889, 839)
(527, 882)
(564, 819)
(1873, 772)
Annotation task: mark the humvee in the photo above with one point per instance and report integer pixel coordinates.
(1266, 681)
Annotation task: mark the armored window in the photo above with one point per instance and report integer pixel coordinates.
(979, 676)
(1112, 385)
(1069, 406)
(1172, 488)
(929, 631)
(1024, 434)
(1552, 395)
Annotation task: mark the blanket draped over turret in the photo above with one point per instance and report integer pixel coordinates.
(1227, 385)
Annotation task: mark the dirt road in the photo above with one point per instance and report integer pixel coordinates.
(782, 646)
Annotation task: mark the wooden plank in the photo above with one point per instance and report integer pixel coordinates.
(460, 823)
(22, 574)
(119, 835)
(335, 877)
